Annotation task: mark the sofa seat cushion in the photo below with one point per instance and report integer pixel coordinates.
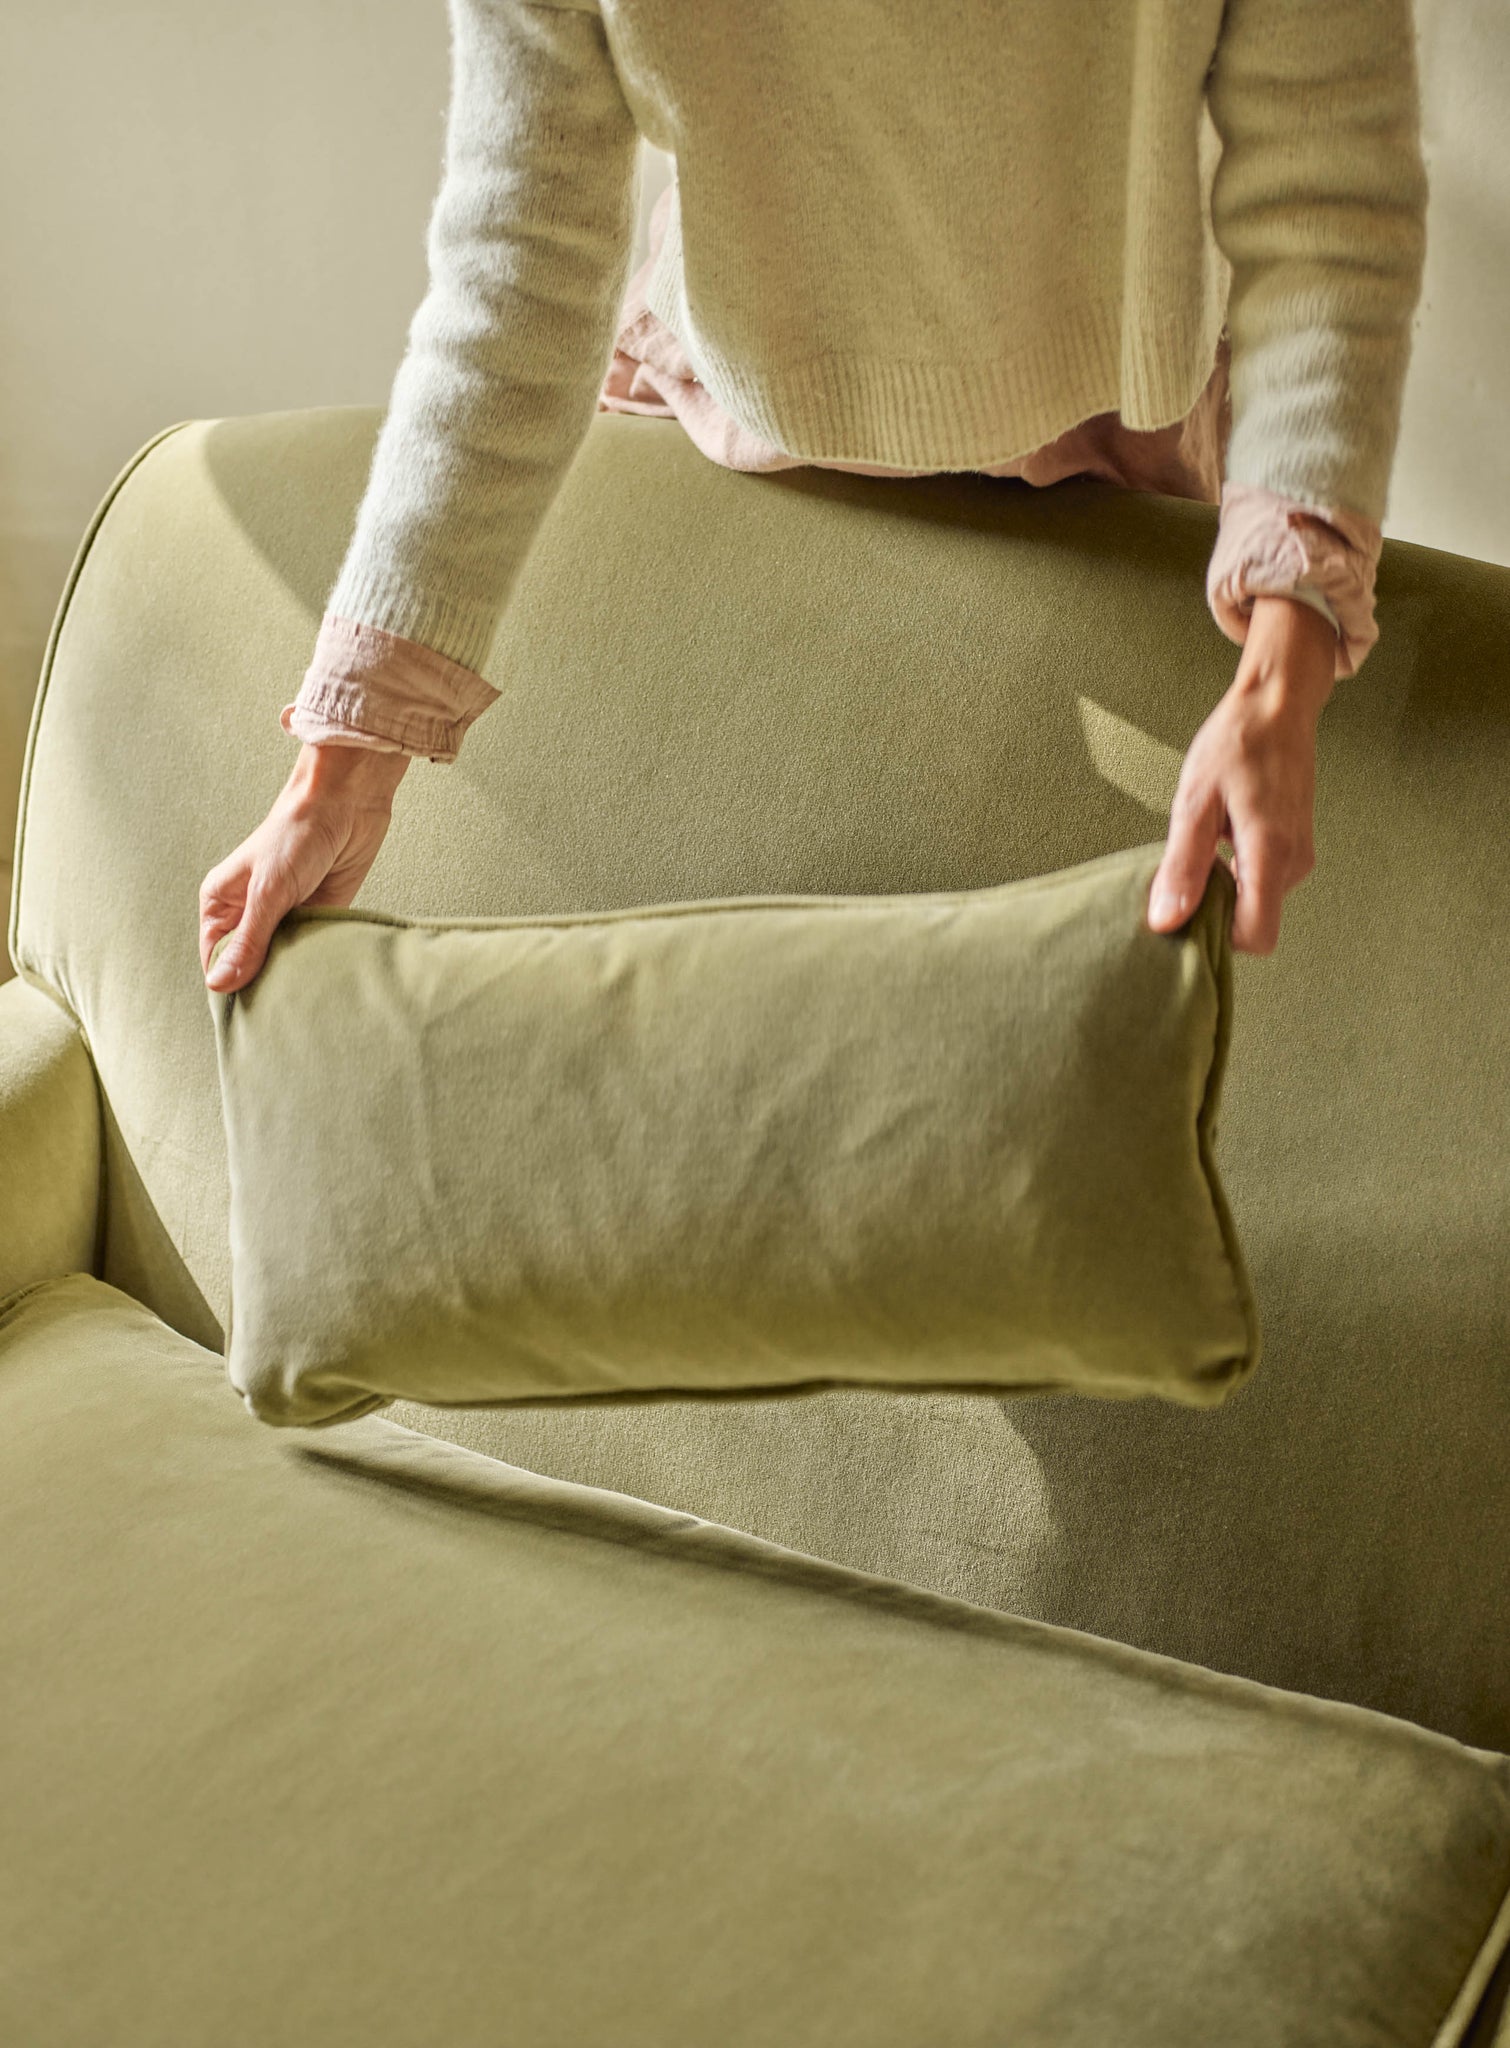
(358, 1737)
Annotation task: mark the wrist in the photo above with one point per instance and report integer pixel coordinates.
(329, 765)
(1289, 653)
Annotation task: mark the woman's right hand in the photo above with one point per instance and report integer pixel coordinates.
(315, 845)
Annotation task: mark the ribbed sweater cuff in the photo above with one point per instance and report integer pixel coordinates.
(406, 606)
(368, 687)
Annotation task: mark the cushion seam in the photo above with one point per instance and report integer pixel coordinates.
(1221, 967)
(708, 906)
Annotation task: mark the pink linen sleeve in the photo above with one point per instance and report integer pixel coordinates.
(365, 687)
(1271, 545)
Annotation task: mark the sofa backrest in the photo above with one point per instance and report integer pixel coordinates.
(718, 684)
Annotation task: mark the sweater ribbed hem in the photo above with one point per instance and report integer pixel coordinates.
(922, 415)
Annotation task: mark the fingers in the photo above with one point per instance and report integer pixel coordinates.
(315, 846)
(1196, 822)
(1249, 776)
(1269, 859)
(269, 895)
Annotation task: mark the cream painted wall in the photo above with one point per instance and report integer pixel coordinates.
(220, 210)
(1451, 482)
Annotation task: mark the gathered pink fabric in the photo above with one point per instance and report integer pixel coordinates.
(367, 687)
(1267, 544)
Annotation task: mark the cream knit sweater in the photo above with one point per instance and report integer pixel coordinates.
(923, 233)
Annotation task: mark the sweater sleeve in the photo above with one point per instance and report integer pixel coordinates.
(1318, 202)
(529, 245)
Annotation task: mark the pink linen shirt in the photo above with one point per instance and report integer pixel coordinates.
(367, 687)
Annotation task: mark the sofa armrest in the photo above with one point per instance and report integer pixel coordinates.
(50, 1142)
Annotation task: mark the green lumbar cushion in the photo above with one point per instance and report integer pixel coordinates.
(956, 1140)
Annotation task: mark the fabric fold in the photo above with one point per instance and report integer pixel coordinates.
(1268, 545)
(367, 687)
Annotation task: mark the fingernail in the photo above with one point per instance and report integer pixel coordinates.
(1165, 903)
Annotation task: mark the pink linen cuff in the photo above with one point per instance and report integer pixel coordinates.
(1268, 545)
(365, 687)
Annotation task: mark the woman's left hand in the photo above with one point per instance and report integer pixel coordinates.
(1250, 777)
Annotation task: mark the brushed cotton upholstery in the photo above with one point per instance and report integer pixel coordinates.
(50, 1166)
(353, 1737)
(717, 685)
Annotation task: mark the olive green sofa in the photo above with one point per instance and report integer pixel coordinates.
(714, 685)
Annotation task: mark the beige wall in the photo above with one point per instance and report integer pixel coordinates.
(222, 210)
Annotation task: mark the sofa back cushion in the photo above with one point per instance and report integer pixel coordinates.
(718, 684)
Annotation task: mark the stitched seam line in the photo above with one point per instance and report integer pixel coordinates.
(710, 907)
